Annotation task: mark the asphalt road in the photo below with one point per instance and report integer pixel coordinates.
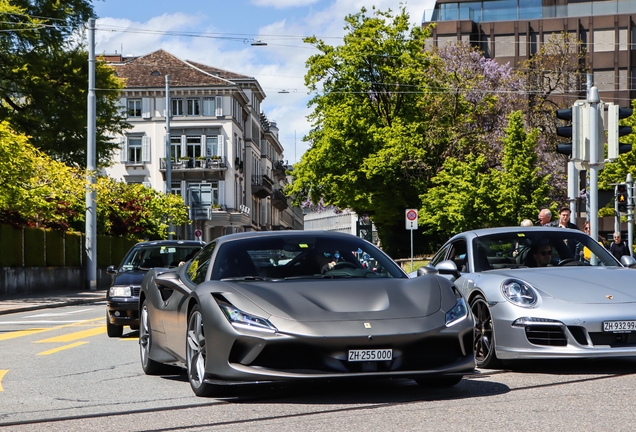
(60, 372)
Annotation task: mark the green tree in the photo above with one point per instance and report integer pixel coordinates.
(380, 124)
(44, 79)
(469, 195)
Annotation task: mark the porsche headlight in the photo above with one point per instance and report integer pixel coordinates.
(241, 319)
(519, 293)
(120, 291)
(457, 313)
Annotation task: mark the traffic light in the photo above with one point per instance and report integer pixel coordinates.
(621, 198)
(572, 131)
(615, 131)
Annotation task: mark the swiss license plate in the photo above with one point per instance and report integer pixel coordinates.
(370, 355)
(619, 326)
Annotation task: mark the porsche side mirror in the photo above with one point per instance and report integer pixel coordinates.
(448, 267)
(628, 261)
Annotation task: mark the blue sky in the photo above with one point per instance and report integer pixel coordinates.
(219, 33)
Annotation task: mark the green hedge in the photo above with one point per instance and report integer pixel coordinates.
(42, 248)
(10, 246)
(54, 248)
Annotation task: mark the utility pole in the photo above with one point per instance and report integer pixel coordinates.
(91, 194)
(594, 100)
(168, 149)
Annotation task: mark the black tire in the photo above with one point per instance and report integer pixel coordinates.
(113, 330)
(196, 355)
(484, 335)
(150, 366)
(439, 382)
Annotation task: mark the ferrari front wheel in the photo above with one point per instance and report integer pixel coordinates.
(150, 366)
(484, 333)
(197, 355)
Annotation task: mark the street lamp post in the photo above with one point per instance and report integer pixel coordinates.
(91, 211)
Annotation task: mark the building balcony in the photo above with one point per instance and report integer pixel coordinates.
(261, 186)
(214, 213)
(279, 200)
(212, 167)
(278, 169)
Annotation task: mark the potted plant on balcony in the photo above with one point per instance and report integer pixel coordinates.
(200, 161)
(217, 207)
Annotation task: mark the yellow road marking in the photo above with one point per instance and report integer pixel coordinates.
(2, 373)
(54, 350)
(136, 339)
(75, 335)
(21, 333)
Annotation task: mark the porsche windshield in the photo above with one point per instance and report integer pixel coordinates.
(299, 257)
(539, 249)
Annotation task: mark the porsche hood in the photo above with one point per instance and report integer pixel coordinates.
(345, 299)
(583, 285)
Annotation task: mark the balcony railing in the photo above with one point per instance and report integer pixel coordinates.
(279, 200)
(261, 186)
(210, 163)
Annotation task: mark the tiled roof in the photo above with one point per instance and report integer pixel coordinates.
(150, 71)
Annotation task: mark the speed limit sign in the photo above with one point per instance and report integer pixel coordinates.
(411, 219)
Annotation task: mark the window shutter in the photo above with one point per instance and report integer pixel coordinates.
(122, 107)
(145, 108)
(145, 149)
(219, 105)
(123, 150)
(205, 151)
(222, 192)
(221, 145)
(160, 107)
(184, 147)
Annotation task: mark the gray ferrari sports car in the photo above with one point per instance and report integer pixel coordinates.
(539, 293)
(301, 305)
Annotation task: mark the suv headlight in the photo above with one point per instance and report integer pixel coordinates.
(120, 291)
(519, 293)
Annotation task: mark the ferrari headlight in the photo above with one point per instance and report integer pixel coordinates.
(241, 319)
(519, 293)
(457, 313)
(120, 291)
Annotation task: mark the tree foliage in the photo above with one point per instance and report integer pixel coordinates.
(37, 190)
(44, 79)
(469, 195)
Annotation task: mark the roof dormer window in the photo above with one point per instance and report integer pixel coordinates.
(155, 73)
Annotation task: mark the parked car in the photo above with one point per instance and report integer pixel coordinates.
(301, 305)
(541, 293)
(122, 299)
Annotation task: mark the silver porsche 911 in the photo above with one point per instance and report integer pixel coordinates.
(539, 293)
(301, 305)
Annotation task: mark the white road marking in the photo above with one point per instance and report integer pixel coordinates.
(57, 314)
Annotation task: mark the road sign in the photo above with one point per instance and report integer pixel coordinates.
(198, 233)
(411, 219)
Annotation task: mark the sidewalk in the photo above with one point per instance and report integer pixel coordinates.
(29, 302)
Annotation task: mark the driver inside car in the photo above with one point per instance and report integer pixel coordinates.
(327, 261)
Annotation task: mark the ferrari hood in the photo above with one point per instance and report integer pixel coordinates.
(581, 284)
(328, 299)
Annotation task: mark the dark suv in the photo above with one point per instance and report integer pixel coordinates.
(122, 299)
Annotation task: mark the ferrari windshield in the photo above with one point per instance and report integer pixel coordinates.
(535, 248)
(299, 257)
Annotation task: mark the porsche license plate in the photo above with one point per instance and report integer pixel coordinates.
(370, 355)
(619, 326)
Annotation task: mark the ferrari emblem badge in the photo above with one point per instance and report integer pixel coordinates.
(367, 325)
(609, 297)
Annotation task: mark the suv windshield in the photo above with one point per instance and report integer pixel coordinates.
(147, 257)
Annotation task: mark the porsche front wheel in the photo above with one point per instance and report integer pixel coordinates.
(485, 355)
(197, 355)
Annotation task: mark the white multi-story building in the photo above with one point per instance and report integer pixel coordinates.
(226, 158)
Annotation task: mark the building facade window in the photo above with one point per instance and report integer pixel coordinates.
(134, 150)
(177, 107)
(193, 146)
(194, 108)
(134, 107)
(209, 106)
